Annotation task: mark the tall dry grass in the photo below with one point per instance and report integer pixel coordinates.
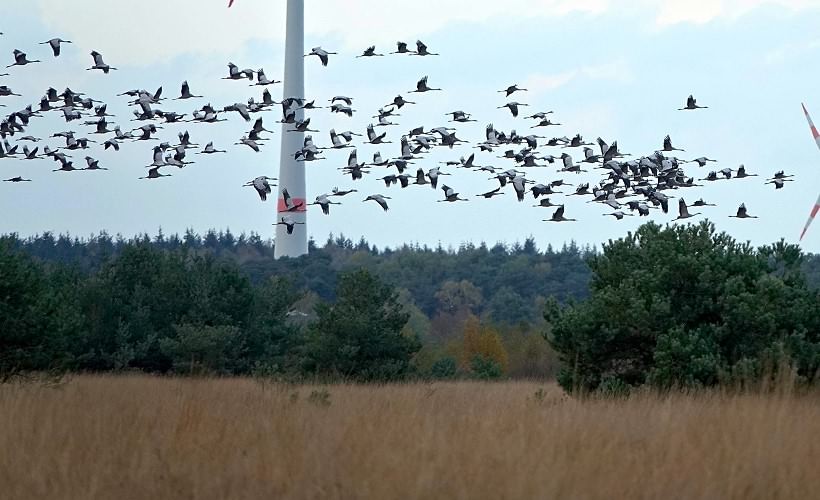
(141, 437)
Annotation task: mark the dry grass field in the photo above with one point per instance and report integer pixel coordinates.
(134, 437)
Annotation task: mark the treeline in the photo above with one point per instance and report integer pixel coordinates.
(506, 284)
(496, 271)
(145, 309)
(221, 304)
(674, 306)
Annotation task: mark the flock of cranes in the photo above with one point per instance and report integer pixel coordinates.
(626, 185)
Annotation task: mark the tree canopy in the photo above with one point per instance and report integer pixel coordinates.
(686, 306)
(361, 335)
(680, 305)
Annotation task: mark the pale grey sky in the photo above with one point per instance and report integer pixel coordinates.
(613, 69)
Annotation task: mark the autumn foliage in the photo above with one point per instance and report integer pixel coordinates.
(482, 350)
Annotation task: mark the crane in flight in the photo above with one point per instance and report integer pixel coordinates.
(691, 103)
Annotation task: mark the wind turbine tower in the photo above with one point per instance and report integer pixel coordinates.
(291, 172)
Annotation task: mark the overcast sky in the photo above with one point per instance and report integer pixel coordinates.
(616, 69)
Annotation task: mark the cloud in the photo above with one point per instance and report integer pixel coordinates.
(160, 30)
(155, 31)
(542, 83)
(616, 71)
(692, 11)
(385, 22)
(783, 53)
(671, 12)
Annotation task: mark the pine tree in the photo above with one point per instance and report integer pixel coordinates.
(360, 335)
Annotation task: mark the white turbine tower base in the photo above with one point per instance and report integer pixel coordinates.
(291, 172)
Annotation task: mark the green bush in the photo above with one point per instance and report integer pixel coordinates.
(613, 387)
(444, 368)
(685, 306)
(200, 349)
(485, 368)
(38, 321)
(317, 397)
(686, 359)
(360, 335)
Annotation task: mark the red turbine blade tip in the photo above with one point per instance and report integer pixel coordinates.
(230, 2)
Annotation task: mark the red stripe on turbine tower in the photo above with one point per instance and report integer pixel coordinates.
(296, 205)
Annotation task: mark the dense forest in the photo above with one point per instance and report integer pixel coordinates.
(221, 303)
(134, 296)
(505, 283)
